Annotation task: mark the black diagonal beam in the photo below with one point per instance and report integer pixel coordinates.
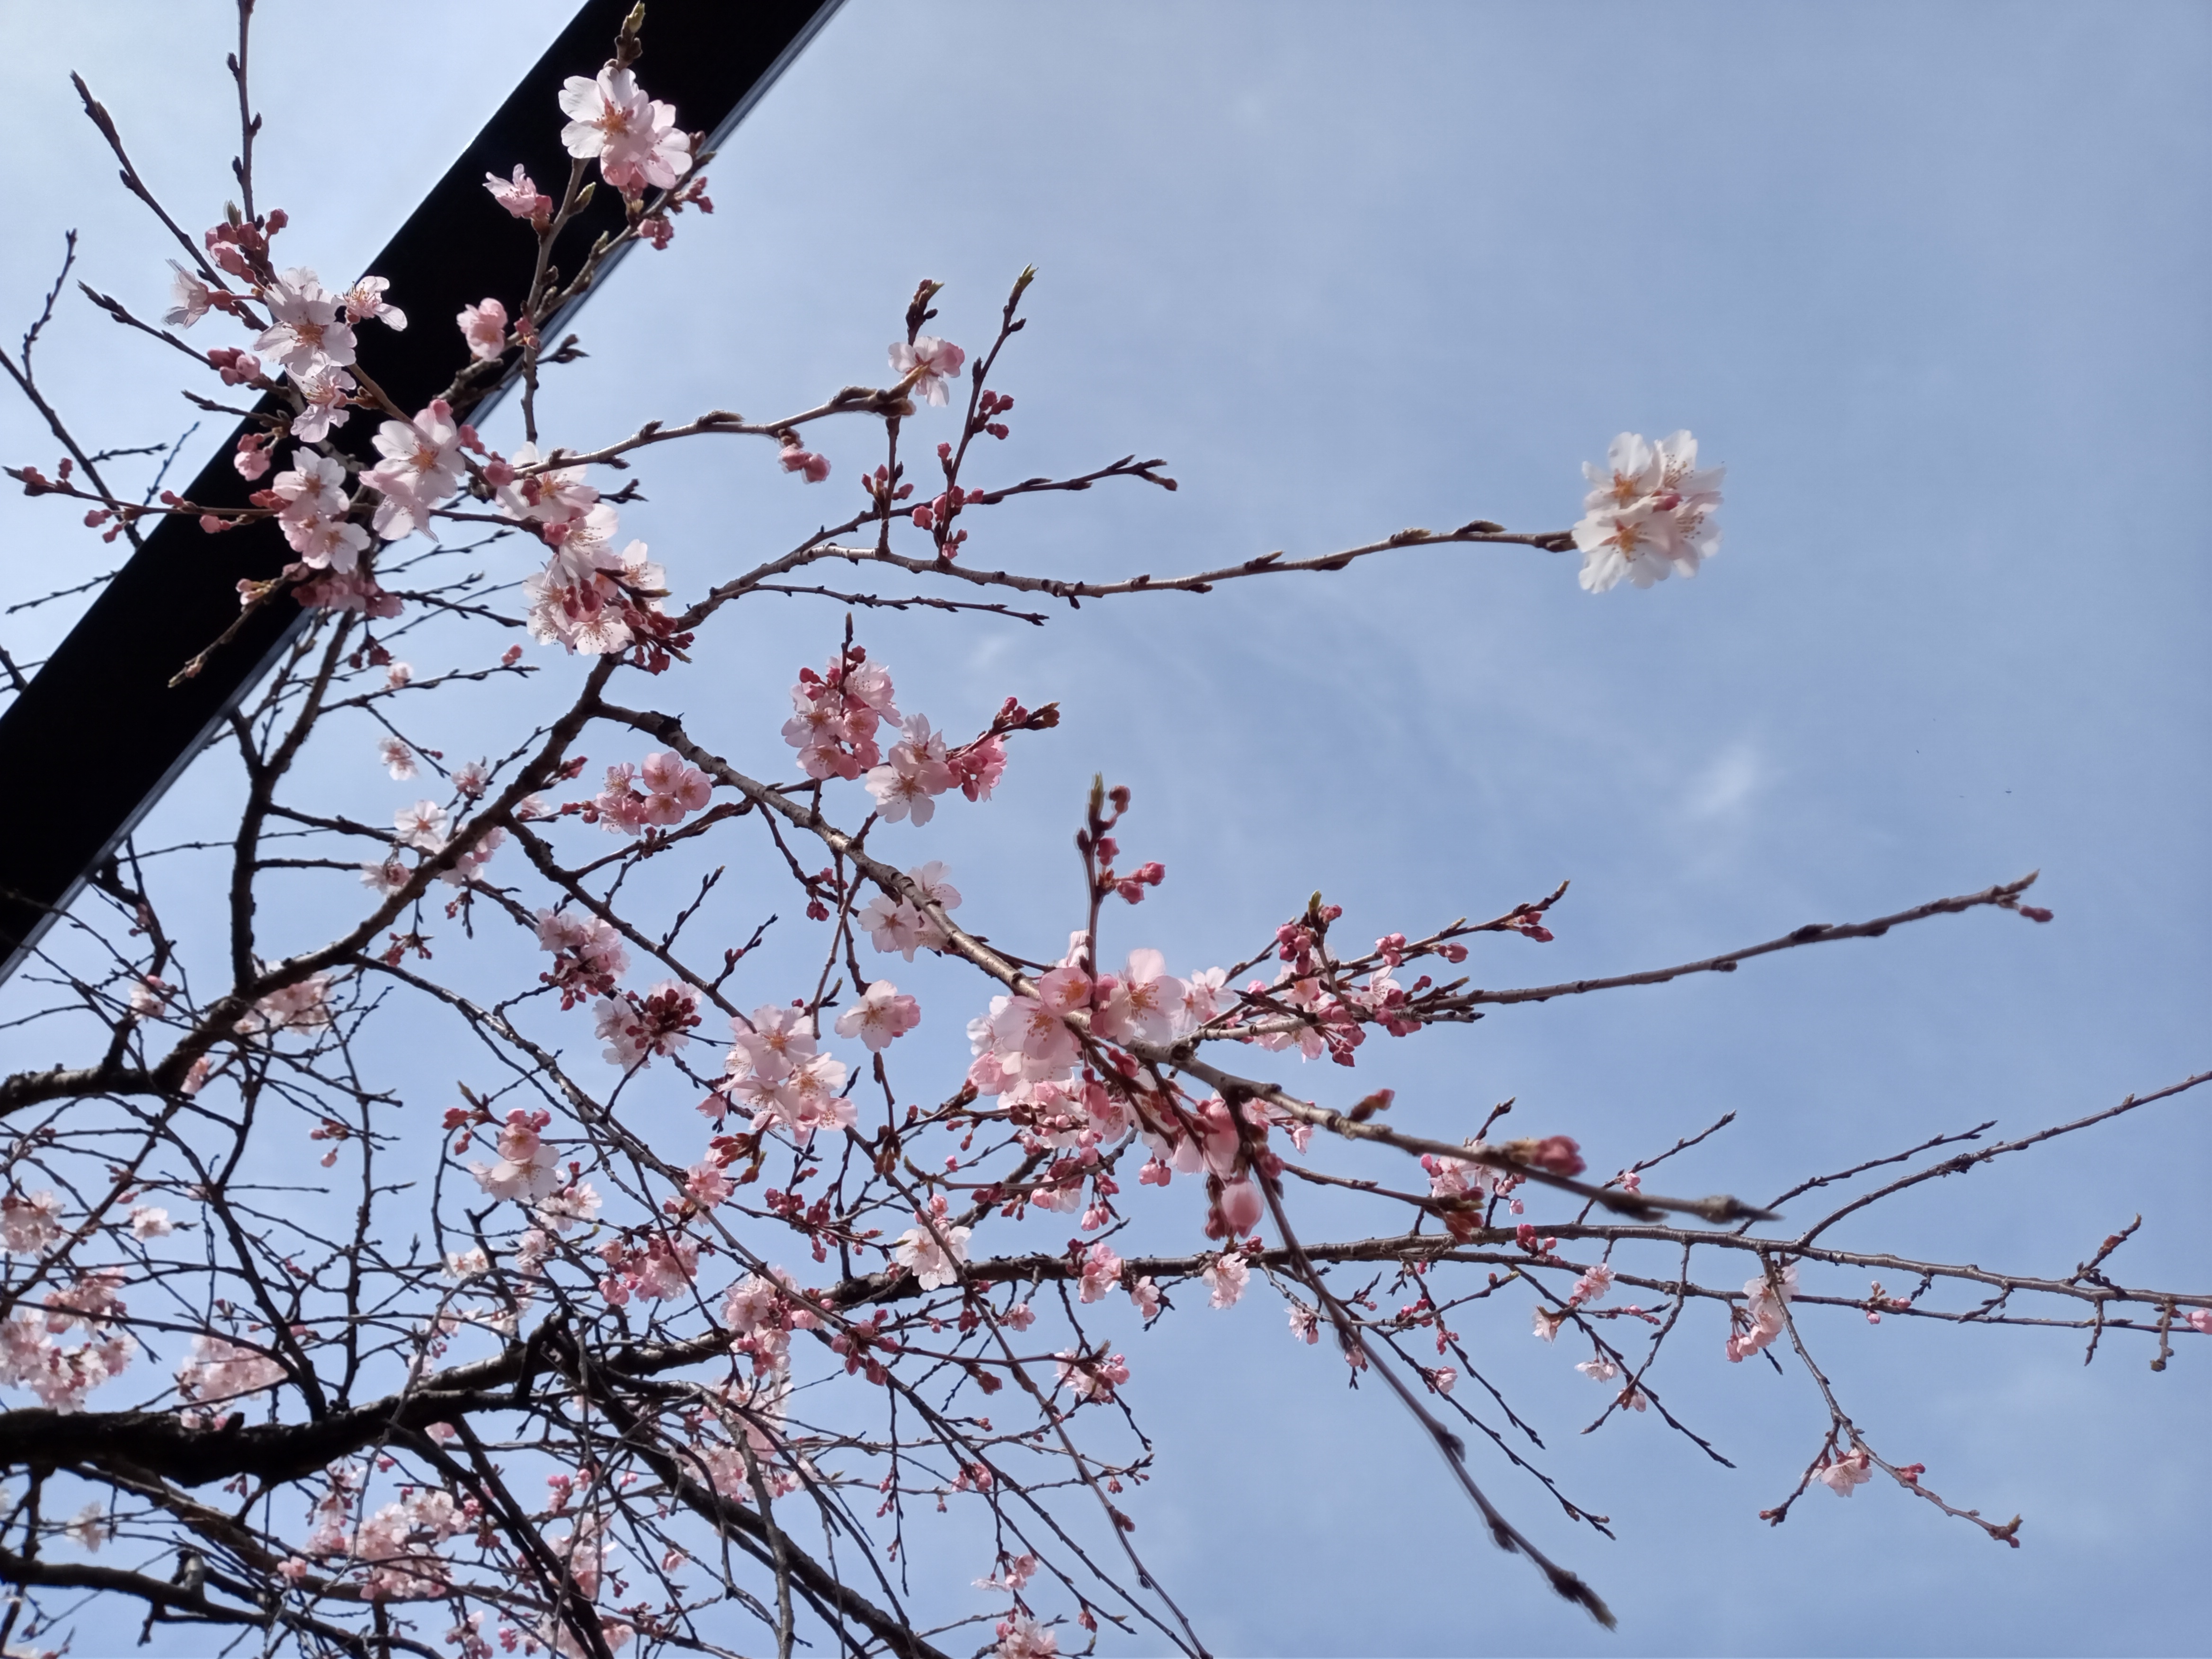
(108, 682)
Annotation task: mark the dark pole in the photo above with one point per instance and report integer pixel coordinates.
(711, 59)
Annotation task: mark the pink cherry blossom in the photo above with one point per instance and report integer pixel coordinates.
(1022, 1638)
(1146, 1001)
(527, 1170)
(797, 459)
(1847, 1473)
(835, 714)
(635, 1029)
(933, 1256)
(251, 458)
(1763, 1319)
(29, 1224)
(1598, 1369)
(421, 467)
(397, 758)
(881, 1015)
(591, 598)
(468, 865)
(519, 196)
(303, 1005)
(933, 364)
(1102, 1271)
(2200, 1319)
(1241, 1206)
(234, 367)
(423, 825)
(307, 335)
(774, 1044)
(1648, 513)
(325, 393)
(1027, 1035)
(633, 137)
(1094, 1380)
(892, 924)
(1592, 1285)
(672, 788)
(1226, 1278)
(573, 1205)
(312, 512)
(483, 325)
(221, 1369)
(191, 298)
(1019, 1317)
(916, 773)
(365, 303)
(552, 495)
(588, 954)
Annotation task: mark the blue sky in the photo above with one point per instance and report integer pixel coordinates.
(1928, 279)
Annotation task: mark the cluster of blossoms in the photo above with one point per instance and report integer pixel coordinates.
(671, 790)
(901, 925)
(304, 1006)
(588, 955)
(31, 1356)
(594, 596)
(1649, 513)
(528, 1169)
(636, 1028)
(774, 1071)
(933, 1249)
(221, 1371)
(837, 714)
(1762, 1318)
(633, 137)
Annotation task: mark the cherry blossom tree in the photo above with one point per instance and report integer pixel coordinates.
(699, 1294)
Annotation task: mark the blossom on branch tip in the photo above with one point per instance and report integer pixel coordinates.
(633, 136)
(931, 362)
(234, 367)
(1649, 513)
